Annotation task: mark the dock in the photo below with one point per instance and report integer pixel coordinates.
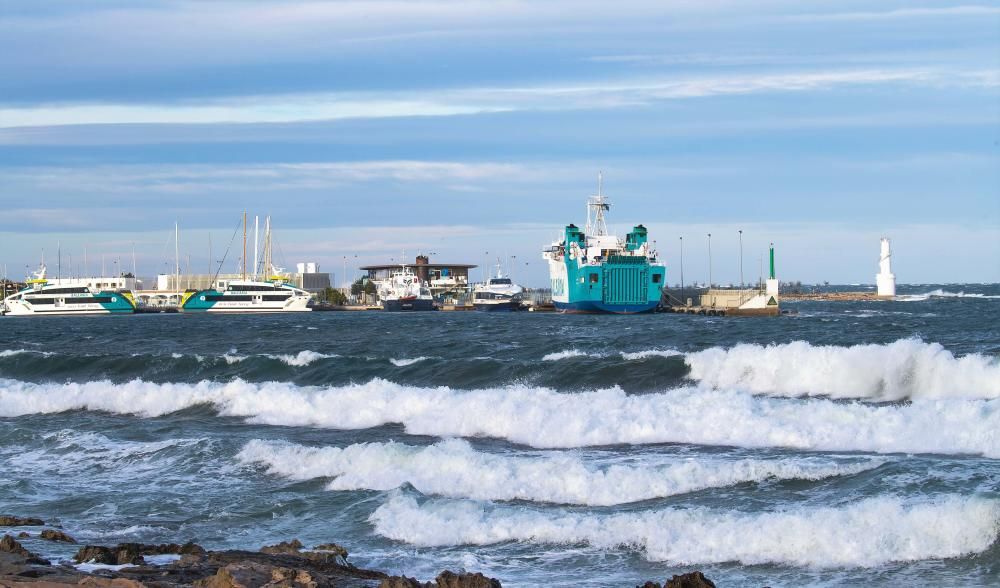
(725, 302)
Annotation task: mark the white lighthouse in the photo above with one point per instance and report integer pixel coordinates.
(885, 281)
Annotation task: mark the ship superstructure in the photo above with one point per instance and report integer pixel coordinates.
(594, 272)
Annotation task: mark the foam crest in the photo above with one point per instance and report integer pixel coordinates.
(541, 417)
(13, 352)
(650, 353)
(865, 533)
(568, 354)
(301, 359)
(407, 361)
(941, 293)
(453, 468)
(907, 368)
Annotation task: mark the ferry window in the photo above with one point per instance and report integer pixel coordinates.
(593, 278)
(657, 278)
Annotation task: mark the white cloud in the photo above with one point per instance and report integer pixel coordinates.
(899, 13)
(610, 93)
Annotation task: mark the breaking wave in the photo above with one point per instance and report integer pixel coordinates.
(865, 533)
(939, 293)
(13, 352)
(301, 359)
(567, 354)
(453, 468)
(541, 417)
(650, 353)
(406, 361)
(907, 368)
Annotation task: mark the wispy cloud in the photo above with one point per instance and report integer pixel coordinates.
(600, 94)
(900, 13)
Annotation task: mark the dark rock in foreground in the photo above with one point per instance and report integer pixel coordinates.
(53, 535)
(689, 580)
(10, 545)
(131, 553)
(446, 579)
(284, 565)
(12, 521)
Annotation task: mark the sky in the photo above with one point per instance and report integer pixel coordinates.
(473, 130)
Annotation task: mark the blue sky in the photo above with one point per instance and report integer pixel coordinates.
(371, 128)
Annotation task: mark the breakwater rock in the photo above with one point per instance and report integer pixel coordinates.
(285, 565)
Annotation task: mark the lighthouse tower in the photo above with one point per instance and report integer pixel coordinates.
(885, 281)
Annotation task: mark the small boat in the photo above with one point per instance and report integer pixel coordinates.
(66, 297)
(404, 292)
(497, 294)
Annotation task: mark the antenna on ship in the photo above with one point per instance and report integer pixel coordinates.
(599, 205)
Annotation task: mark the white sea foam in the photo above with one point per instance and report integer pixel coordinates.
(302, 358)
(541, 417)
(453, 468)
(407, 361)
(568, 354)
(650, 353)
(907, 368)
(232, 358)
(176, 355)
(13, 352)
(865, 533)
(940, 293)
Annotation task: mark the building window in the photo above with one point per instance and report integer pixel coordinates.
(657, 278)
(594, 278)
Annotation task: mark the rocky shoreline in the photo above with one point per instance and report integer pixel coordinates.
(285, 565)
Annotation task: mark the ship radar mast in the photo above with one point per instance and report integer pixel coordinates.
(596, 207)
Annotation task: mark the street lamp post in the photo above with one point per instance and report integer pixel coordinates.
(682, 266)
(741, 259)
(710, 260)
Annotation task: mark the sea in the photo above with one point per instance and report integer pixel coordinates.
(846, 443)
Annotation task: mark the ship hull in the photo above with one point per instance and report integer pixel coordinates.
(109, 303)
(504, 306)
(416, 305)
(213, 302)
(596, 307)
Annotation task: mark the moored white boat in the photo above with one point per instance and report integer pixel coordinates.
(403, 291)
(498, 293)
(66, 297)
(250, 294)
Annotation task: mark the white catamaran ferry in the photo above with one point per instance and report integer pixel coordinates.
(271, 293)
(498, 293)
(70, 296)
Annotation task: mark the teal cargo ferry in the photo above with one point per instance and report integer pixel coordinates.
(594, 272)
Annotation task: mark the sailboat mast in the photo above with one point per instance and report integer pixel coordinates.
(177, 258)
(256, 237)
(244, 244)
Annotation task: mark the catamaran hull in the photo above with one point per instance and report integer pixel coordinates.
(505, 306)
(116, 304)
(594, 307)
(20, 310)
(247, 308)
(407, 305)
